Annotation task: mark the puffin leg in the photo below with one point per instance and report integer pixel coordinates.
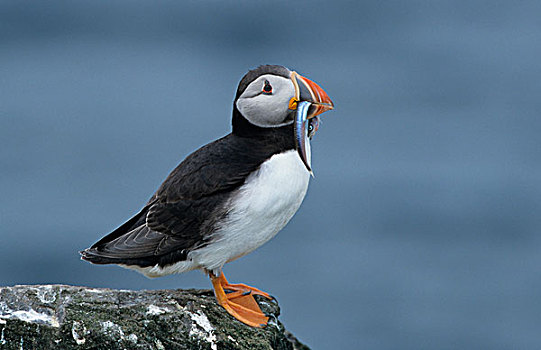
(243, 288)
(238, 304)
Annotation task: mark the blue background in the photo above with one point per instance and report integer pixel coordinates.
(421, 227)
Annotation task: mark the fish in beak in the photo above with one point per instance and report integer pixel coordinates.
(310, 101)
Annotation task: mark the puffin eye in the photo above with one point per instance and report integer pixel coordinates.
(267, 88)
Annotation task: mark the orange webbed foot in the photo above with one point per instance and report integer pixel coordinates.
(240, 303)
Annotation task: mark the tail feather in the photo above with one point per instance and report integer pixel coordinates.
(134, 243)
(93, 256)
(93, 253)
(124, 228)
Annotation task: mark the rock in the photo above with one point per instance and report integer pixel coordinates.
(67, 317)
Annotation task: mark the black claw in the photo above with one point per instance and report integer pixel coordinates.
(263, 325)
(247, 293)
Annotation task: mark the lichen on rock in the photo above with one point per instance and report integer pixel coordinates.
(67, 317)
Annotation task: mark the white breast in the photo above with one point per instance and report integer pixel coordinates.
(260, 208)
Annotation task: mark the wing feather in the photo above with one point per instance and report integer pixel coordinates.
(181, 215)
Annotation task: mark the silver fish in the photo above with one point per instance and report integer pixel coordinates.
(313, 126)
(302, 137)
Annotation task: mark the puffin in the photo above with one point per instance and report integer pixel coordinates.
(230, 196)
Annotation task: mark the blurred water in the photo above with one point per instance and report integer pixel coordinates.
(421, 227)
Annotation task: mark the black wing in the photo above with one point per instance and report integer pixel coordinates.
(182, 213)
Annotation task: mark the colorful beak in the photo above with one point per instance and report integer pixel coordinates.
(310, 101)
(308, 91)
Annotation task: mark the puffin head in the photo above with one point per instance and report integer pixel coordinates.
(268, 96)
(271, 97)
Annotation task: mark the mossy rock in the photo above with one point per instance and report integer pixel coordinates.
(67, 317)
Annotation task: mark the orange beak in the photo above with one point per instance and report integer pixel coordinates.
(307, 90)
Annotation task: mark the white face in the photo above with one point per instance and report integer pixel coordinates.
(265, 102)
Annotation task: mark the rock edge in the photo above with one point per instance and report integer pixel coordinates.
(68, 317)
